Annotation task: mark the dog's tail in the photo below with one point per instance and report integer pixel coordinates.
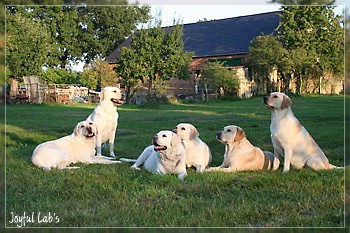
(127, 160)
(335, 167)
(331, 166)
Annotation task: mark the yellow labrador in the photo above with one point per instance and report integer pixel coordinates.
(78, 147)
(290, 139)
(240, 154)
(167, 155)
(198, 152)
(105, 117)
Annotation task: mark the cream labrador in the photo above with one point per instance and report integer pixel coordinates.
(240, 154)
(290, 139)
(198, 152)
(78, 147)
(105, 117)
(167, 155)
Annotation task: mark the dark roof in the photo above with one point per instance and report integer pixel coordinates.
(227, 36)
(221, 37)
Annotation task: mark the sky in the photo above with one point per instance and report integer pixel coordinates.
(191, 11)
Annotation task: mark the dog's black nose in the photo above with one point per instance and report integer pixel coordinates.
(218, 135)
(155, 138)
(266, 99)
(89, 129)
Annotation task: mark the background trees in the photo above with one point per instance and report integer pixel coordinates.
(218, 77)
(304, 2)
(155, 54)
(98, 75)
(58, 76)
(309, 45)
(60, 35)
(27, 46)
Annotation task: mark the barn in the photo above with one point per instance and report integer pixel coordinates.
(226, 40)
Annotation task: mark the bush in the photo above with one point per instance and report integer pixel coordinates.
(58, 76)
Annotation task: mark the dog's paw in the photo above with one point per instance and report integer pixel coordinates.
(135, 168)
(200, 169)
(182, 176)
(72, 167)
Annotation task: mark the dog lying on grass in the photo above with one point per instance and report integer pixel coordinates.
(167, 155)
(78, 147)
(240, 154)
(198, 152)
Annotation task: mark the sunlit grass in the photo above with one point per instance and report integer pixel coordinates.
(116, 196)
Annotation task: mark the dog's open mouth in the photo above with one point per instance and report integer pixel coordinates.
(158, 147)
(269, 106)
(266, 99)
(117, 102)
(90, 135)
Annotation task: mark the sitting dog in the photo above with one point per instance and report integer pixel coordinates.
(290, 139)
(167, 155)
(240, 154)
(78, 147)
(105, 117)
(198, 152)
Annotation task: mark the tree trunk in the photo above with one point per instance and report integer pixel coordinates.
(150, 86)
(301, 83)
(206, 92)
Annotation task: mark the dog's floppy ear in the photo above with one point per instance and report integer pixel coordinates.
(286, 102)
(175, 140)
(76, 129)
(194, 133)
(240, 134)
(101, 95)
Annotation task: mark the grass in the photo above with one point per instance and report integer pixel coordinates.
(116, 196)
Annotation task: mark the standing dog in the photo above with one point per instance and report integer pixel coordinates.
(240, 154)
(105, 117)
(198, 152)
(290, 139)
(74, 148)
(167, 155)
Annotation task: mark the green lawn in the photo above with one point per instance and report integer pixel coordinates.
(116, 196)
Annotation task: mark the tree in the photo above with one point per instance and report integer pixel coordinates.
(266, 54)
(58, 76)
(62, 23)
(219, 77)
(314, 39)
(27, 46)
(347, 54)
(156, 53)
(304, 2)
(103, 29)
(98, 75)
(130, 73)
(82, 32)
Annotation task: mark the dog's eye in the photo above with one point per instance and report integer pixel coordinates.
(183, 128)
(275, 96)
(115, 91)
(90, 123)
(229, 130)
(164, 136)
(82, 126)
